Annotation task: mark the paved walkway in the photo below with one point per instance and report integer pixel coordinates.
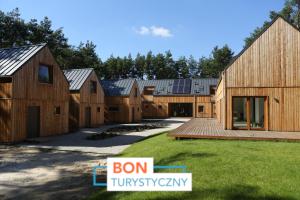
(211, 129)
(111, 146)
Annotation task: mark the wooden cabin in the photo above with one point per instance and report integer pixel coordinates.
(122, 101)
(86, 106)
(260, 89)
(34, 94)
(178, 98)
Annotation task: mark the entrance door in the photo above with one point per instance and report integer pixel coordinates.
(249, 113)
(87, 116)
(180, 109)
(33, 122)
(132, 114)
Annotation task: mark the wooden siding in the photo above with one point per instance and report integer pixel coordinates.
(268, 68)
(28, 91)
(125, 105)
(273, 60)
(220, 101)
(159, 107)
(84, 98)
(5, 90)
(283, 106)
(5, 120)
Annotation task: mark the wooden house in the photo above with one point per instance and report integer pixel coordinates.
(260, 89)
(122, 101)
(178, 98)
(34, 94)
(86, 106)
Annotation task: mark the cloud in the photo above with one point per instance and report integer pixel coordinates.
(157, 31)
(143, 30)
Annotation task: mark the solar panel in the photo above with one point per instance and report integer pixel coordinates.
(182, 86)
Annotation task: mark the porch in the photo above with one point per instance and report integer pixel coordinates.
(208, 128)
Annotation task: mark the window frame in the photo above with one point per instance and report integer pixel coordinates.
(93, 87)
(50, 73)
(57, 110)
(201, 107)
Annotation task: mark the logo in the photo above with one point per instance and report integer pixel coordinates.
(137, 174)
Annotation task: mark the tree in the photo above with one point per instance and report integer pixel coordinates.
(139, 66)
(290, 12)
(13, 30)
(194, 70)
(182, 68)
(149, 68)
(216, 63)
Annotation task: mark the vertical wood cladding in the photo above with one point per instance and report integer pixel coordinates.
(159, 107)
(95, 101)
(26, 91)
(269, 67)
(125, 104)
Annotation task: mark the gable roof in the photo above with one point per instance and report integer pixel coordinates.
(164, 87)
(11, 59)
(77, 77)
(117, 87)
(262, 32)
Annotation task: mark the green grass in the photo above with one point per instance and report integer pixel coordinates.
(222, 169)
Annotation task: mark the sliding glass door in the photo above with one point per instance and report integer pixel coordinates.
(239, 112)
(249, 112)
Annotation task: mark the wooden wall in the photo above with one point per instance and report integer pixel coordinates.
(283, 106)
(28, 91)
(269, 67)
(125, 104)
(220, 101)
(5, 109)
(208, 104)
(84, 98)
(159, 107)
(273, 60)
(135, 103)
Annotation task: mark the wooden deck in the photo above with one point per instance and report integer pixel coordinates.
(211, 129)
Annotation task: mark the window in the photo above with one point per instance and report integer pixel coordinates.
(212, 90)
(248, 112)
(98, 109)
(93, 86)
(135, 92)
(201, 109)
(45, 74)
(57, 110)
(148, 90)
(113, 109)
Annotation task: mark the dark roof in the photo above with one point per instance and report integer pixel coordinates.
(11, 59)
(117, 87)
(164, 87)
(202, 86)
(76, 77)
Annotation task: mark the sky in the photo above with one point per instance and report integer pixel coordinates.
(120, 27)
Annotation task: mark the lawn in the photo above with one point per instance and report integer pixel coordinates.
(222, 169)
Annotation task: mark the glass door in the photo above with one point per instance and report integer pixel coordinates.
(239, 112)
(257, 112)
(249, 113)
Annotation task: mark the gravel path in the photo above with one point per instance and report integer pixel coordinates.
(60, 167)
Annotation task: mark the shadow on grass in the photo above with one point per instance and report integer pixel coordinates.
(234, 192)
(182, 157)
